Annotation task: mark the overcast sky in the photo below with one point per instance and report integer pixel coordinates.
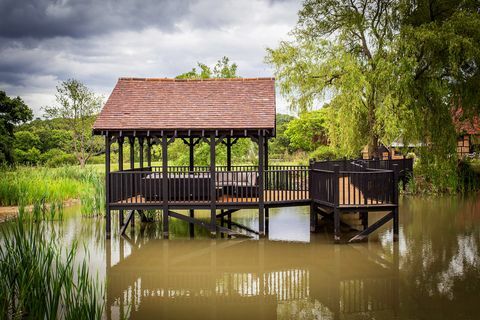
(43, 42)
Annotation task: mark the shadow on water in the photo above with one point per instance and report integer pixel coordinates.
(432, 272)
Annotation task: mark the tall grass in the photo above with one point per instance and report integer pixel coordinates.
(38, 186)
(40, 281)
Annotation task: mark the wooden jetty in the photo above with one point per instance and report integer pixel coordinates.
(148, 112)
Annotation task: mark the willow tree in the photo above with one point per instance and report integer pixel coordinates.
(342, 52)
(439, 49)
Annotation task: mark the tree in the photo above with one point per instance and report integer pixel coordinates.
(308, 132)
(439, 51)
(13, 111)
(77, 105)
(342, 51)
(222, 69)
(25, 140)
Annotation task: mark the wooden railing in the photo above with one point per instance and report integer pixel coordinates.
(341, 183)
(238, 185)
(334, 183)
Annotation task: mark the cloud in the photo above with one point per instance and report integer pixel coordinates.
(32, 63)
(81, 18)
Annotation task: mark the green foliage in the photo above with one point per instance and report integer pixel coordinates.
(323, 153)
(77, 105)
(222, 69)
(39, 281)
(13, 111)
(280, 145)
(27, 185)
(388, 71)
(308, 132)
(25, 140)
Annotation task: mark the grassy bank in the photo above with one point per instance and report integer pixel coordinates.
(38, 186)
(41, 281)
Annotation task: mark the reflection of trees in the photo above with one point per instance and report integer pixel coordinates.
(441, 259)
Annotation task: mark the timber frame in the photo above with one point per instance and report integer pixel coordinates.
(155, 111)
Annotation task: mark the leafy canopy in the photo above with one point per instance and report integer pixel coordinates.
(77, 105)
(13, 111)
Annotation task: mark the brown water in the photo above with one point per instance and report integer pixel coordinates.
(433, 272)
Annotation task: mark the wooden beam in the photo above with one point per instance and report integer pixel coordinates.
(165, 185)
(140, 151)
(108, 222)
(261, 202)
(213, 191)
(131, 140)
(226, 213)
(130, 216)
(362, 235)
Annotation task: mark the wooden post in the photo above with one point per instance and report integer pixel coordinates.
(140, 143)
(213, 191)
(229, 153)
(261, 203)
(108, 222)
(313, 211)
(165, 185)
(336, 210)
(132, 152)
(120, 168)
(267, 209)
(149, 151)
(395, 201)
(191, 164)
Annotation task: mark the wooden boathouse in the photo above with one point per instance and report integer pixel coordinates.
(222, 111)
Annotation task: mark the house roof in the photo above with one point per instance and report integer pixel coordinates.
(165, 104)
(465, 126)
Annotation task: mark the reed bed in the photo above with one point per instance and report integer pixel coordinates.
(41, 281)
(39, 186)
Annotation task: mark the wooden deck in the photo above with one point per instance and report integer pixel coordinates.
(270, 196)
(349, 195)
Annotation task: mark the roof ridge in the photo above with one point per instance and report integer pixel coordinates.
(192, 80)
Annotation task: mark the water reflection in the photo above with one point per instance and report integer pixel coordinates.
(432, 272)
(210, 279)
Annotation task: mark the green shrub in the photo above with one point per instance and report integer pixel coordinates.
(323, 153)
(61, 159)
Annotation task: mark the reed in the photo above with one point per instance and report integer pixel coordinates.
(47, 188)
(40, 281)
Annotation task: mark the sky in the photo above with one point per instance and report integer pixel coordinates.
(44, 42)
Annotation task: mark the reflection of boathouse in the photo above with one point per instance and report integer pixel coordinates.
(208, 279)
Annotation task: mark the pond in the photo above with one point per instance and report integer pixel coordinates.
(432, 272)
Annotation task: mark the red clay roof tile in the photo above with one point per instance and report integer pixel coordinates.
(156, 103)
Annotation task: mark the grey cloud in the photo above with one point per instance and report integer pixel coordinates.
(80, 18)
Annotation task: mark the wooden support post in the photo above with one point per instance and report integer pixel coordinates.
(261, 203)
(267, 220)
(213, 191)
(313, 211)
(364, 219)
(140, 151)
(191, 164)
(132, 152)
(395, 201)
(149, 151)
(229, 153)
(108, 222)
(165, 185)
(120, 168)
(336, 211)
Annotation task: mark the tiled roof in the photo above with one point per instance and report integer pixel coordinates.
(465, 126)
(146, 103)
